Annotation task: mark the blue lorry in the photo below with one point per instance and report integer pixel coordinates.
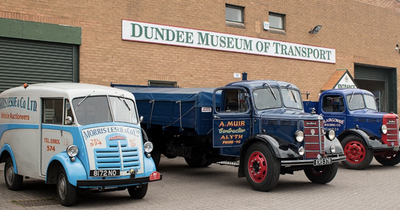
(363, 131)
(259, 126)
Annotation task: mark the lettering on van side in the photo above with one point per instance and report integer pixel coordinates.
(23, 103)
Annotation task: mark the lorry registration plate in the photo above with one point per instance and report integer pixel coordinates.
(322, 161)
(104, 173)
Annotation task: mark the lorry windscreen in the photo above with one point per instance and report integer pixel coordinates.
(267, 98)
(370, 102)
(291, 98)
(355, 101)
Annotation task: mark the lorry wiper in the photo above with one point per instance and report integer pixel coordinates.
(126, 104)
(351, 97)
(291, 91)
(270, 89)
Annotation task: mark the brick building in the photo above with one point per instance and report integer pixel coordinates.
(192, 43)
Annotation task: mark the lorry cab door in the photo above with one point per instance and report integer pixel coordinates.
(232, 118)
(53, 137)
(334, 112)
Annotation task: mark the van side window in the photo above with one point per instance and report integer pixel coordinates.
(52, 111)
(68, 113)
(333, 104)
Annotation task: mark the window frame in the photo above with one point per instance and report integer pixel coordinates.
(278, 15)
(240, 8)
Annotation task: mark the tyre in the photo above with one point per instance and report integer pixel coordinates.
(358, 155)
(13, 180)
(322, 174)
(66, 192)
(388, 158)
(262, 169)
(138, 191)
(197, 162)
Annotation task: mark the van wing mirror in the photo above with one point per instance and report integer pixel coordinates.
(141, 118)
(68, 120)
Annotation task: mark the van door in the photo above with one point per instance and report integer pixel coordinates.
(53, 139)
(232, 118)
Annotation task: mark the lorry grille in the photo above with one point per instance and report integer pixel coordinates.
(391, 122)
(110, 157)
(313, 138)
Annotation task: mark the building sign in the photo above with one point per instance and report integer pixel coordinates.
(170, 35)
(345, 82)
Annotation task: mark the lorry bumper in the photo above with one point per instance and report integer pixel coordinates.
(155, 176)
(290, 163)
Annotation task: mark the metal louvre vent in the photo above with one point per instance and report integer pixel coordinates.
(392, 126)
(110, 157)
(313, 141)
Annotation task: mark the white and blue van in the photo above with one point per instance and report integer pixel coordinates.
(77, 136)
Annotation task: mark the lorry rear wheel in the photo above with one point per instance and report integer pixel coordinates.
(358, 155)
(65, 191)
(137, 192)
(262, 169)
(197, 162)
(13, 180)
(389, 158)
(322, 174)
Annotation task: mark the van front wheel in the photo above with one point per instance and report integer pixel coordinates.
(65, 191)
(13, 180)
(138, 191)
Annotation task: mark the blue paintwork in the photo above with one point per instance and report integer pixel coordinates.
(7, 147)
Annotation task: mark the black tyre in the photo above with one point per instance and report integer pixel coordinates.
(388, 158)
(138, 191)
(65, 191)
(13, 180)
(197, 162)
(322, 174)
(262, 169)
(358, 155)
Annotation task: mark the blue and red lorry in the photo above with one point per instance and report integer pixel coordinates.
(259, 126)
(363, 131)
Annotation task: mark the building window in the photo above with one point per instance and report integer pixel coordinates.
(234, 13)
(276, 21)
(160, 83)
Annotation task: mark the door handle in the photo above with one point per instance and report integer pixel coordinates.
(216, 117)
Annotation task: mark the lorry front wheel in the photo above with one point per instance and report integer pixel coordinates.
(65, 191)
(322, 174)
(138, 191)
(262, 169)
(358, 155)
(388, 158)
(13, 180)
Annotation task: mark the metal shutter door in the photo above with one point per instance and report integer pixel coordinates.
(27, 61)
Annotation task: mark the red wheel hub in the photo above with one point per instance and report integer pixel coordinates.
(355, 152)
(257, 166)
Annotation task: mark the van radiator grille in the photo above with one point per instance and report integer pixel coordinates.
(110, 157)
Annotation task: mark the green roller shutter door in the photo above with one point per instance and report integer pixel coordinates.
(28, 61)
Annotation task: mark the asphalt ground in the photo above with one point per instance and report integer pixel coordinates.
(217, 187)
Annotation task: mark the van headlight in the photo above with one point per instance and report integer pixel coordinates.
(148, 146)
(330, 134)
(72, 151)
(299, 135)
(384, 129)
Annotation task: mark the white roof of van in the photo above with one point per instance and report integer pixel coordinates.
(64, 89)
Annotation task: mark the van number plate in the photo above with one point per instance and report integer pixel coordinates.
(322, 161)
(104, 173)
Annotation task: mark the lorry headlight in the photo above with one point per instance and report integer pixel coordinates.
(384, 129)
(299, 135)
(148, 146)
(72, 151)
(333, 148)
(330, 134)
(301, 151)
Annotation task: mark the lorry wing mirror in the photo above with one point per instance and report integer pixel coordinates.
(68, 120)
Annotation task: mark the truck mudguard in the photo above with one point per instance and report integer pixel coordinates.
(6, 147)
(356, 132)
